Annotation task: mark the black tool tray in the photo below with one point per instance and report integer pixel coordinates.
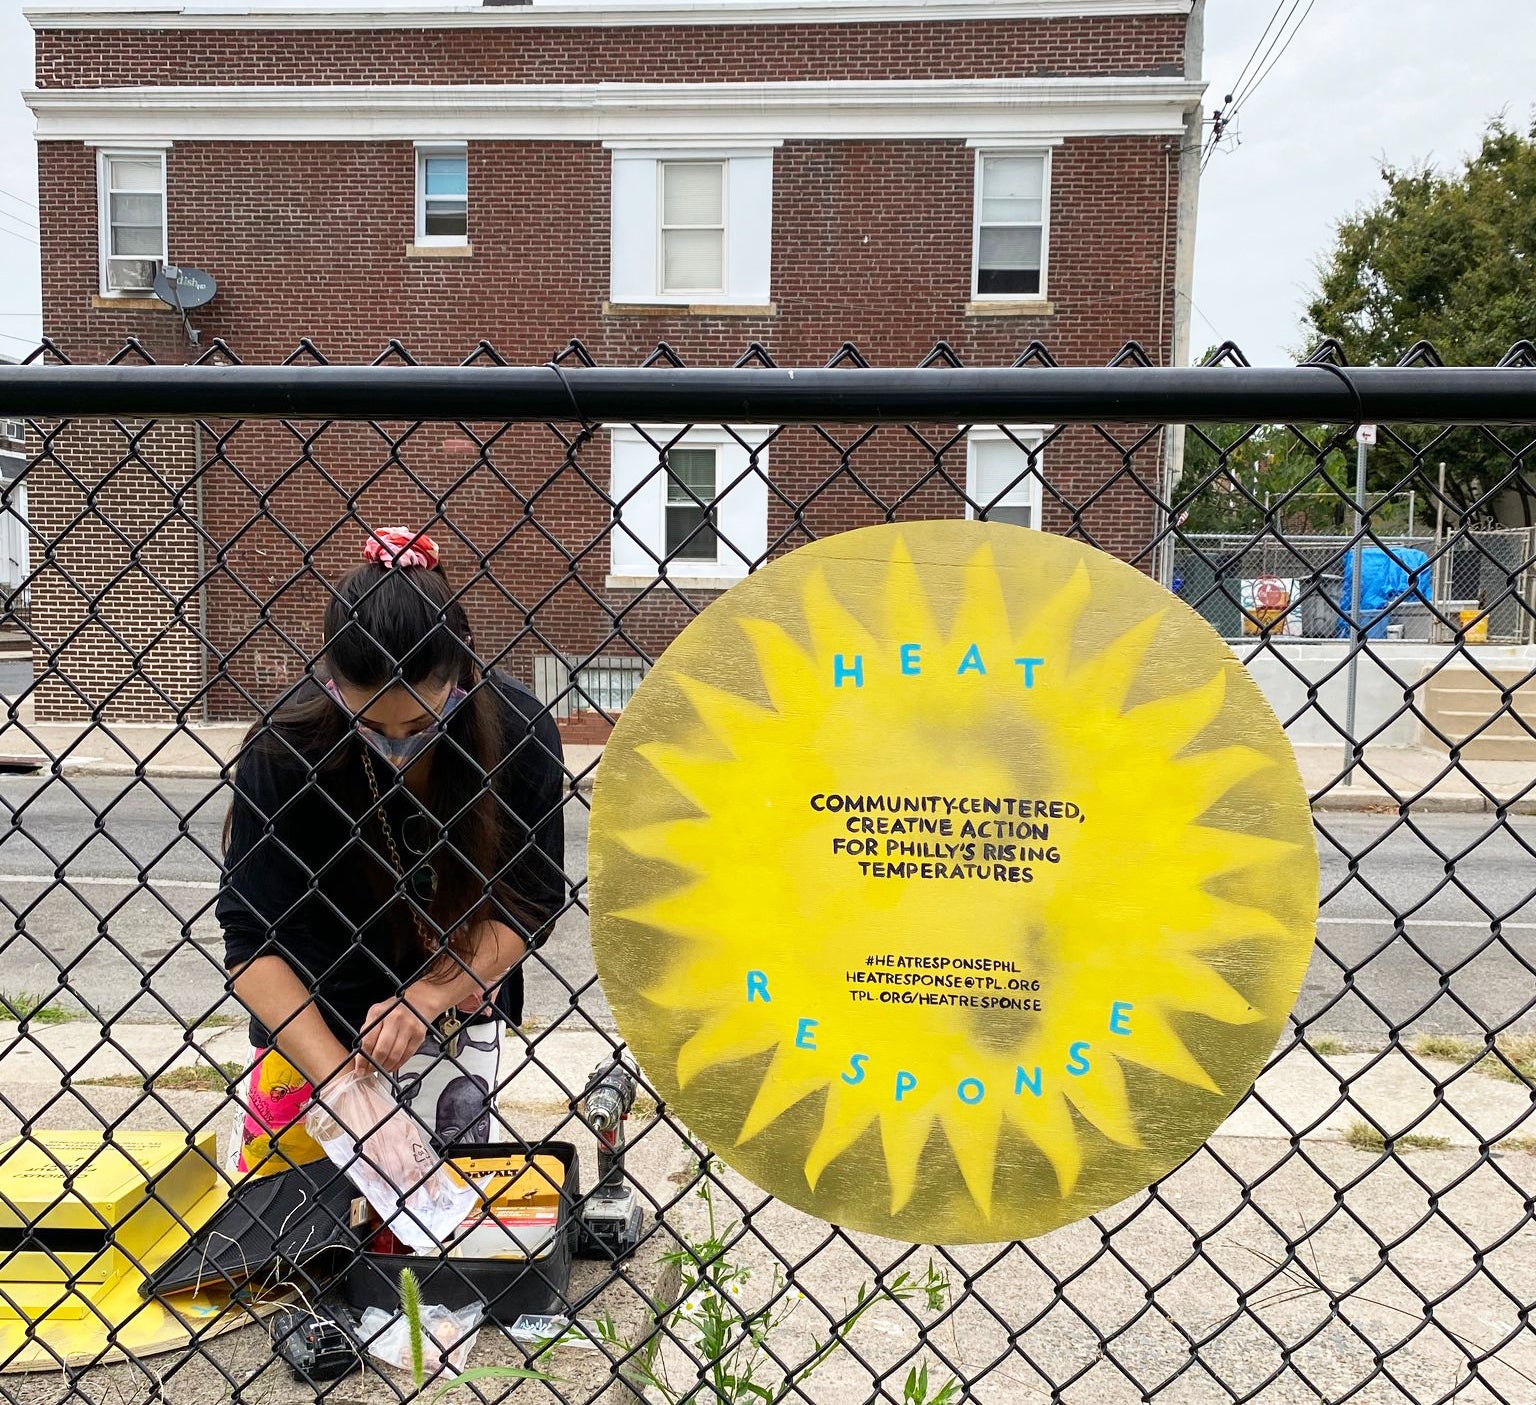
(507, 1287)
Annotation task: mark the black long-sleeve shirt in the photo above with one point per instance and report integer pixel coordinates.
(307, 872)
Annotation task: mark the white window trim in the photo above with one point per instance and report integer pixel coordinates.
(1004, 112)
(982, 152)
(425, 149)
(693, 295)
(669, 150)
(104, 213)
(726, 154)
(734, 552)
(1029, 436)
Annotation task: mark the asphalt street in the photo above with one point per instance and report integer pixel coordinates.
(1427, 924)
(110, 885)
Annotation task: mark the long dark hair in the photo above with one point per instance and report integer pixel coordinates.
(389, 624)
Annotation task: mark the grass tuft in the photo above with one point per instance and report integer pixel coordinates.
(1364, 1137)
(193, 1078)
(33, 1009)
(1526, 1143)
(1519, 1062)
(1325, 1046)
(1445, 1046)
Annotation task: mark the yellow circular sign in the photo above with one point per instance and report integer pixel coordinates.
(951, 880)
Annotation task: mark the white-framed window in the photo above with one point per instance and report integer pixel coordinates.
(691, 243)
(442, 194)
(1003, 474)
(691, 226)
(132, 220)
(693, 484)
(1012, 223)
(690, 502)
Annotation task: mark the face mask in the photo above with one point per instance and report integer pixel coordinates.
(401, 751)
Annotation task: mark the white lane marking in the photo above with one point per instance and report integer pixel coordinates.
(1428, 922)
(98, 880)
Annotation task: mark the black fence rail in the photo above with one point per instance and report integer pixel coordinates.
(1360, 1230)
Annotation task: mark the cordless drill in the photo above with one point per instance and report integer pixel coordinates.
(610, 1217)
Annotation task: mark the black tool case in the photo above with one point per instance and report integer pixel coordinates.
(507, 1287)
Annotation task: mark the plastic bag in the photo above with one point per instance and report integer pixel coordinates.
(447, 1337)
(539, 1329)
(394, 1165)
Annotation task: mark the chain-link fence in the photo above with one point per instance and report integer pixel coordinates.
(1361, 1229)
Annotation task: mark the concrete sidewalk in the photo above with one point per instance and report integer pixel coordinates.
(1391, 777)
(1283, 1165)
(1298, 1097)
(1388, 778)
(69, 1075)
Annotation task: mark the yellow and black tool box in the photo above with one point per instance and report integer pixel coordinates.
(513, 1252)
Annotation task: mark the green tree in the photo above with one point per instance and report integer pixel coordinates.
(1448, 259)
(1294, 480)
(1243, 478)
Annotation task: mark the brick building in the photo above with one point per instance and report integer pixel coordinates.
(705, 173)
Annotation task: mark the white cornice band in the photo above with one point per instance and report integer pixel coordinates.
(470, 14)
(1005, 108)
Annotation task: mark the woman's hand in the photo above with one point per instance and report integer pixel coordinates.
(381, 1135)
(394, 1030)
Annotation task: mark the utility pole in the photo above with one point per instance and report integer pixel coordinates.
(1364, 437)
(1438, 575)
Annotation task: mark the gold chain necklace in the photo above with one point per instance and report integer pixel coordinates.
(449, 1023)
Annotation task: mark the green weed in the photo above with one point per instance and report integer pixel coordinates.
(33, 1010)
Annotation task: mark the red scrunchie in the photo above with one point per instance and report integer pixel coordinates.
(399, 546)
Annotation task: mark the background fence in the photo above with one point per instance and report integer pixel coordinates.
(1483, 572)
(1361, 1229)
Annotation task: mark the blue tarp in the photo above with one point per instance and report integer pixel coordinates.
(1387, 578)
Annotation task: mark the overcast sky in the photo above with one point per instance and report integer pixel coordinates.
(1363, 79)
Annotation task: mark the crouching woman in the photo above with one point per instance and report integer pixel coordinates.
(394, 849)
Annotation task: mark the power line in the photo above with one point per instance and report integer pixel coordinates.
(20, 200)
(1253, 87)
(17, 219)
(1253, 53)
(1240, 92)
(1283, 37)
(1219, 118)
(15, 234)
(1181, 293)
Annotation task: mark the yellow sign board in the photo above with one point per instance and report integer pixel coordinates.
(951, 880)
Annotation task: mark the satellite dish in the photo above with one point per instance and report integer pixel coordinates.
(184, 288)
